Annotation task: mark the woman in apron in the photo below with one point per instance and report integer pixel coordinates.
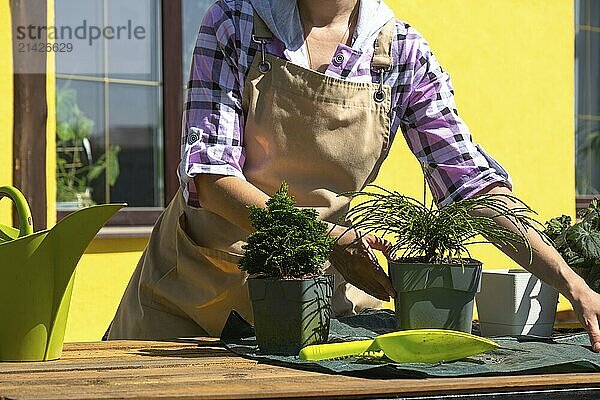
(312, 93)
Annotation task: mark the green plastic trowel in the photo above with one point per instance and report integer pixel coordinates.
(37, 272)
(410, 346)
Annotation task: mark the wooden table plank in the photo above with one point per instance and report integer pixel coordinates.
(202, 368)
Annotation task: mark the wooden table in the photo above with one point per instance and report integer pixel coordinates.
(202, 368)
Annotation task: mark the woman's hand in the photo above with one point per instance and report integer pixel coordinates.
(587, 307)
(547, 264)
(353, 257)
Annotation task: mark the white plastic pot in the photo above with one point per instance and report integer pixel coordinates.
(514, 302)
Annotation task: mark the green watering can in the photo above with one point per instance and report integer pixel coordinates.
(37, 271)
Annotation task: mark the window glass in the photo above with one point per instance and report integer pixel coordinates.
(109, 104)
(80, 114)
(142, 60)
(587, 12)
(587, 97)
(594, 12)
(73, 18)
(588, 72)
(135, 129)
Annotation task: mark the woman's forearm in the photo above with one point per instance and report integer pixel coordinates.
(546, 263)
(229, 196)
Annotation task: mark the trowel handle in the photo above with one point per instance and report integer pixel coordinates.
(330, 351)
(25, 219)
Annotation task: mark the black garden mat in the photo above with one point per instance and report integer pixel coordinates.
(517, 355)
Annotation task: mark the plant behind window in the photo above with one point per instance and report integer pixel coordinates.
(75, 168)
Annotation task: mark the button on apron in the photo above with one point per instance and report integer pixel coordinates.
(338, 59)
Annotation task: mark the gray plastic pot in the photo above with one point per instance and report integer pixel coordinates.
(290, 314)
(514, 302)
(435, 295)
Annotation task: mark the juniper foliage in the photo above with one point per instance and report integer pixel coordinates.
(439, 235)
(289, 242)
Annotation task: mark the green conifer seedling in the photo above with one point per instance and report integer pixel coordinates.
(289, 242)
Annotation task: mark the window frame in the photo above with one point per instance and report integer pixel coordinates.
(172, 76)
(581, 201)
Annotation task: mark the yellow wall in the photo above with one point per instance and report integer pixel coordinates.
(512, 67)
(511, 63)
(100, 280)
(6, 107)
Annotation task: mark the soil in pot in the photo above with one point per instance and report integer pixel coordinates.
(290, 314)
(435, 295)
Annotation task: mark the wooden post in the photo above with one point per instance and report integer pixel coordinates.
(172, 91)
(30, 111)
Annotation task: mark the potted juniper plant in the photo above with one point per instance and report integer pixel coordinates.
(285, 260)
(430, 267)
(579, 243)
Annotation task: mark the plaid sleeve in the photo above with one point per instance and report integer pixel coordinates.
(213, 119)
(455, 168)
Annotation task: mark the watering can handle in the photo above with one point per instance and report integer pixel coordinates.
(25, 219)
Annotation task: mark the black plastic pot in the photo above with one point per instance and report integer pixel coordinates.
(435, 295)
(290, 314)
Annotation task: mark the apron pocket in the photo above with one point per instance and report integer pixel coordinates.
(205, 283)
(209, 270)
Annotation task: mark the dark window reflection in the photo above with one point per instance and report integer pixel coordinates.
(80, 140)
(589, 12)
(135, 127)
(587, 100)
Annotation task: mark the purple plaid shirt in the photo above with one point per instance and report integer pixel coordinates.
(423, 104)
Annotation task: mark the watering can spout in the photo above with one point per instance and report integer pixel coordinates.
(36, 279)
(72, 235)
(69, 239)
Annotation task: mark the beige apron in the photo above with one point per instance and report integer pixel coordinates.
(322, 135)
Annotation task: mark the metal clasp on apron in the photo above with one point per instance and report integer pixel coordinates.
(379, 95)
(382, 56)
(264, 66)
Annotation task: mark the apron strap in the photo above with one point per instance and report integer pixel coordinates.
(262, 36)
(260, 30)
(382, 57)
